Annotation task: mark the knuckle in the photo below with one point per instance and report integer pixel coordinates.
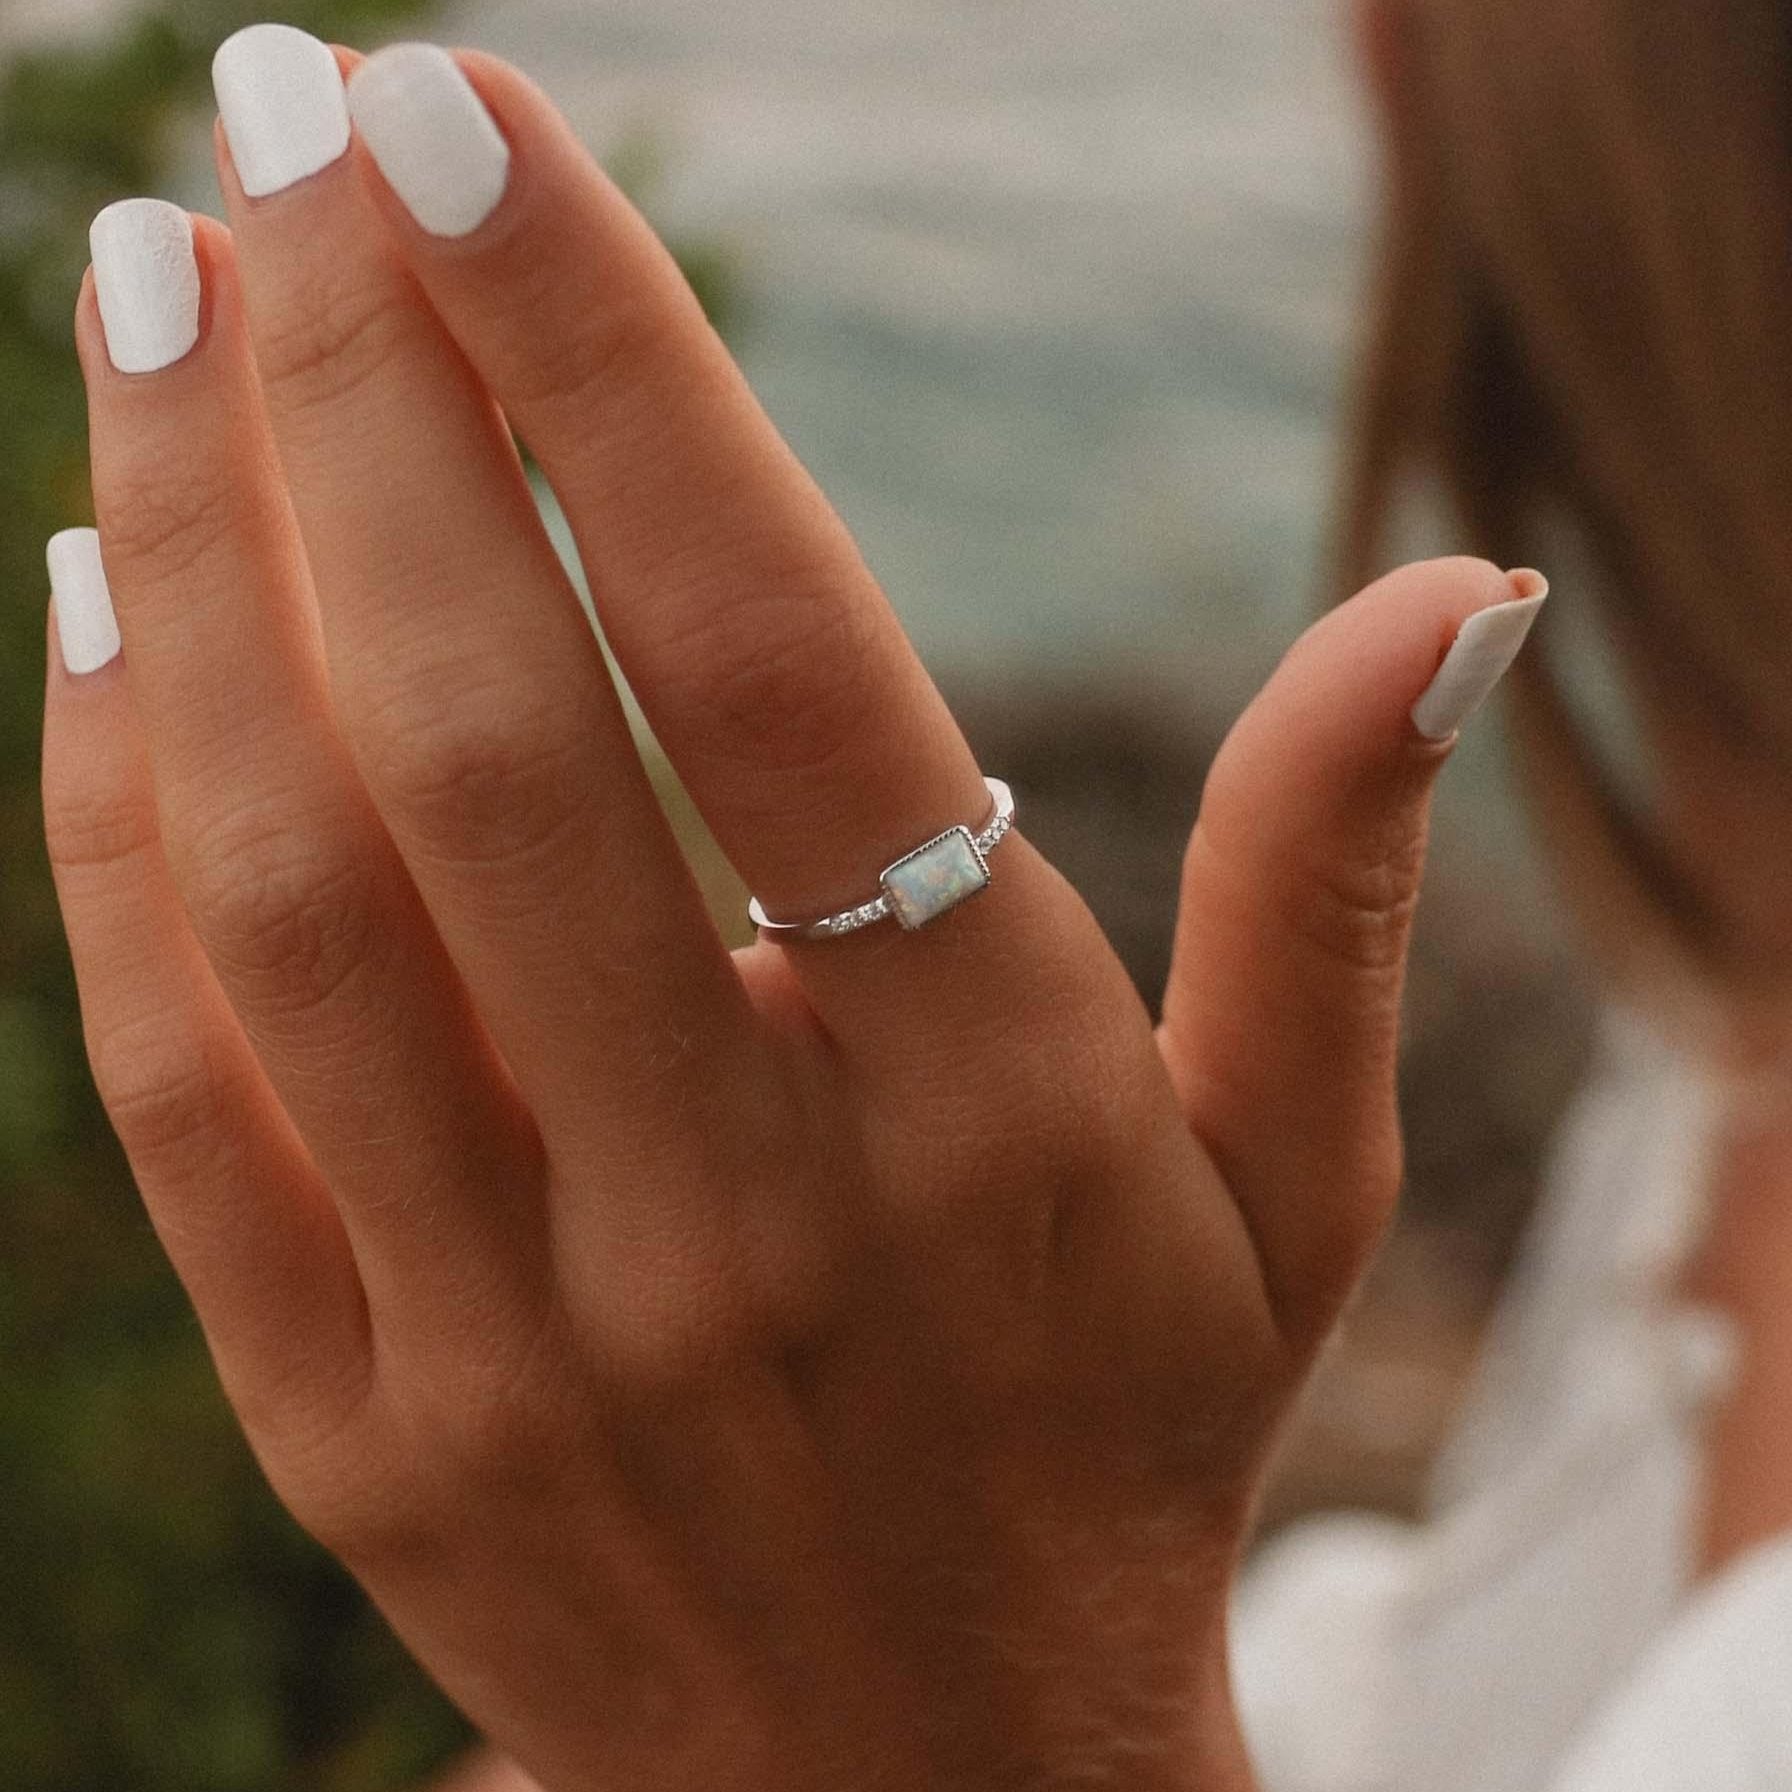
(666, 1341)
(502, 1431)
(162, 517)
(476, 775)
(1095, 1119)
(160, 1092)
(512, 1441)
(597, 355)
(784, 674)
(370, 1516)
(326, 341)
(1359, 913)
(95, 829)
(311, 1426)
(344, 1463)
(280, 908)
(654, 1367)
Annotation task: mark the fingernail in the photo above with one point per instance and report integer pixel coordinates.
(431, 135)
(1485, 646)
(147, 282)
(280, 96)
(85, 624)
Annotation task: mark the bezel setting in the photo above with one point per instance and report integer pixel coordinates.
(959, 870)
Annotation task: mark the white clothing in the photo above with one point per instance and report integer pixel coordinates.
(1540, 1632)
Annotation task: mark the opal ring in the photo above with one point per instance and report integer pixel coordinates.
(920, 887)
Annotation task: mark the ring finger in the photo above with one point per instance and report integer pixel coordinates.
(293, 888)
(772, 668)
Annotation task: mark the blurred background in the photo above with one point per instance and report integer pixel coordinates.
(1057, 302)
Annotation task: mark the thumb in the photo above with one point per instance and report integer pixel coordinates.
(1281, 1021)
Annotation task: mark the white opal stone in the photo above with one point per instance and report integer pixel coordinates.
(934, 878)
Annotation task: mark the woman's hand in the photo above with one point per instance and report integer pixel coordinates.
(842, 1364)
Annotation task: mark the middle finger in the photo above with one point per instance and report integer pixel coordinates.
(469, 683)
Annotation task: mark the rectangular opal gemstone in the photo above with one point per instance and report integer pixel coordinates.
(935, 877)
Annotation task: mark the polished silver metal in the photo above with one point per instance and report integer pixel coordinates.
(957, 859)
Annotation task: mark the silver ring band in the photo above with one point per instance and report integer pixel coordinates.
(920, 887)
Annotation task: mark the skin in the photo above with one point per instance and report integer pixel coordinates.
(842, 1365)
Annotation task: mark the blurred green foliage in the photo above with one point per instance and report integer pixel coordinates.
(163, 1624)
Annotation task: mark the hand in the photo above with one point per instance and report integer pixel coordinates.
(843, 1364)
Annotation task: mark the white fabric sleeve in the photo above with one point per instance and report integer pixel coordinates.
(1710, 1707)
(1315, 1653)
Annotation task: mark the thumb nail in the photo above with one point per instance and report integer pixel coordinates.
(1485, 646)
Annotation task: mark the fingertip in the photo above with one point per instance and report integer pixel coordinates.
(1481, 651)
(211, 236)
(1419, 619)
(214, 247)
(53, 666)
(81, 597)
(1455, 585)
(222, 159)
(434, 138)
(60, 672)
(1384, 644)
(90, 335)
(496, 80)
(167, 319)
(524, 114)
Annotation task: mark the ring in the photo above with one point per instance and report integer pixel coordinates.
(920, 887)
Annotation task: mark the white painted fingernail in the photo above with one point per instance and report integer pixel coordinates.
(147, 282)
(431, 135)
(85, 624)
(280, 96)
(1485, 646)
